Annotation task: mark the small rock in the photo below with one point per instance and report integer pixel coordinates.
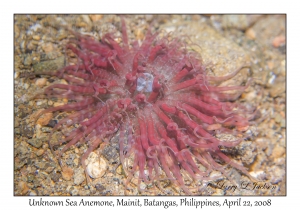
(278, 41)
(27, 60)
(49, 65)
(41, 82)
(240, 22)
(250, 34)
(67, 173)
(282, 123)
(17, 74)
(61, 35)
(40, 152)
(36, 37)
(262, 143)
(120, 170)
(23, 188)
(76, 162)
(45, 119)
(30, 178)
(40, 165)
(278, 118)
(278, 151)
(143, 185)
(260, 175)
(26, 86)
(58, 104)
(74, 191)
(95, 18)
(70, 159)
(50, 167)
(32, 45)
(47, 47)
(277, 174)
(40, 103)
(99, 187)
(280, 161)
(37, 142)
(277, 89)
(22, 149)
(79, 176)
(55, 176)
(32, 193)
(249, 96)
(50, 103)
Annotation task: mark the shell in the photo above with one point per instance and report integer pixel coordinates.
(96, 166)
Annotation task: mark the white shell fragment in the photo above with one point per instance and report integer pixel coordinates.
(96, 166)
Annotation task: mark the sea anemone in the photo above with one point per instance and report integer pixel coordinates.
(158, 98)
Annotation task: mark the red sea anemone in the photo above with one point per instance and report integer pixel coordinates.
(158, 98)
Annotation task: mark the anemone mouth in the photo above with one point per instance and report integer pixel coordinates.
(158, 99)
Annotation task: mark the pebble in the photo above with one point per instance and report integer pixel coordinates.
(260, 175)
(120, 170)
(277, 174)
(40, 165)
(26, 131)
(22, 149)
(280, 161)
(27, 60)
(250, 34)
(262, 143)
(95, 18)
(37, 142)
(26, 86)
(55, 104)
(67, 173)
(74, 191)
(283, 123)
(79, 176)
(61, 35)
(96, 166)
(30, 178)
(32, 193)
(23, 188)
(17, 74)
(277, 89)
(278, 151)
(32, 45)
(250, 96)
(40, 102)
(45, 119)
(47, 47)
(76, 161)
(49, 65)
(36, 37)
(55, 176)
(278, 118)
(278, 41)
(240, 22)
(40, 152)
(41, 82)
(143, 185)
